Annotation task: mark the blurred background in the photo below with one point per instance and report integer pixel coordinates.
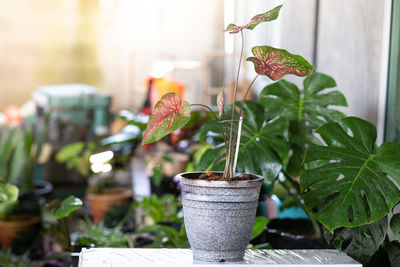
(114, 45)
(79, 78)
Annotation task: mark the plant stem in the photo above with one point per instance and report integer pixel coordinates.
(64, 224)
(292, 181)
(216, 118)
(315, 223)
(237, 134)
(245, 95)
(228, 172)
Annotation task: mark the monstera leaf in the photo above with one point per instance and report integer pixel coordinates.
(358, 184)
(395, 225)
(276, 63)
(168, 115)
(262, 145)
(267, 16)
(305, 111)
(362, 242)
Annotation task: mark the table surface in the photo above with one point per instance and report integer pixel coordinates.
(114, 257)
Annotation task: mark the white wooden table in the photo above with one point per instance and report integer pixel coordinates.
(142, 257)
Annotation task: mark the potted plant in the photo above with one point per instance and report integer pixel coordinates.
(102, 191)
(18, 157)
(219, 207)
(56, 220)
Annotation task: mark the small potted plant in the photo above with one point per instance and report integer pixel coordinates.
(17, 163)
(219, 207)
(102, 171)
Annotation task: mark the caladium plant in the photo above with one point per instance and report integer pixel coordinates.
(171, 112)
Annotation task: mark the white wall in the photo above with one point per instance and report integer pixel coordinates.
(352, 46)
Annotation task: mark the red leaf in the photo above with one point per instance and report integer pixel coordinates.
(276, 63)
(267, 16)
(169, 114)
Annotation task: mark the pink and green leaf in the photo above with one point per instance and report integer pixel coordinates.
(220, 101)
(267, 16)
(276, 63)
(169, 114)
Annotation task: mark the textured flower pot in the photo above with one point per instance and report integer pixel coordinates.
(219, 216)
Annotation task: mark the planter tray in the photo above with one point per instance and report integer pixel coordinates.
(102, 257)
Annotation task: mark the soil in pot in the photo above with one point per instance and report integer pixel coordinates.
(100, 204)
(212, 176)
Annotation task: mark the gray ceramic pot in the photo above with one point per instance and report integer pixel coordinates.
(219, 216)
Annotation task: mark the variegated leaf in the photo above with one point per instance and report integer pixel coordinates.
(168, 115)
(220, 101)
(276, 63)
(267, 16)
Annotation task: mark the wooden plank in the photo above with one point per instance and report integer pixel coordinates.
(102, 257)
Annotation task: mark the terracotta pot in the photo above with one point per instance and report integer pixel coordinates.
(10, 229)
(101, 203)
(178, 165)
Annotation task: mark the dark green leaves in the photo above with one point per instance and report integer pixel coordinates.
(259, 225)
(357, 186)
(305, 111)
(261, 139)
(267, 16)
(67, 208)
(361, 242)
(395, 225)
(276, 63)
(168, 115)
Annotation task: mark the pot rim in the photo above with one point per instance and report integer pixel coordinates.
(116, 193)
(210, 183)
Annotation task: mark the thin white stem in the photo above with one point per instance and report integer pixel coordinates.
(239, 131)
(228, 172)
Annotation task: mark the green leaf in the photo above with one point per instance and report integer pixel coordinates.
(69, 151)
(395, 225)
(394, 253)
(259, 225)
(7, 147)
(360, 243)
(276, 63)
(261, 139)
(305, 112)
(357, 184)
(264, 17)
(169, 114)
(67, 208)
(8, 193)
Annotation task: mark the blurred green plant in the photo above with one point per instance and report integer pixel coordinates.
(101, 236)
(161, 209)
(55, 218)
(19, 152)
(8, 259)
(164, 236)
(75, 156)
